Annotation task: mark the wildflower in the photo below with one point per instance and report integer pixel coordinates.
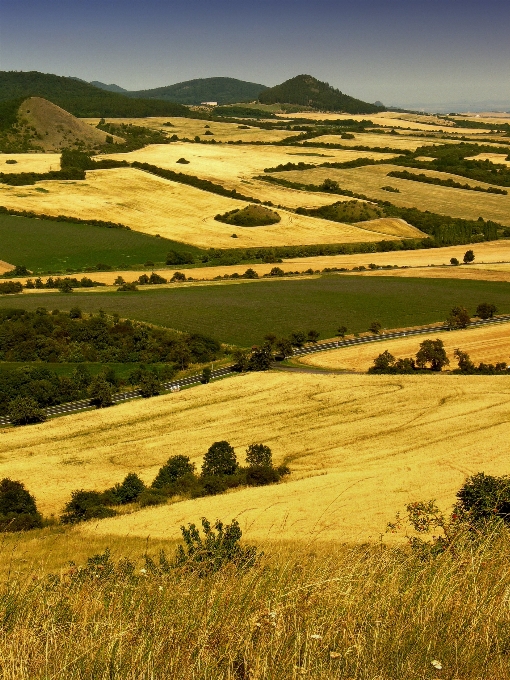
(160, 588)
(143, 571)
(316, 637)
(334, 655)
(437, 664)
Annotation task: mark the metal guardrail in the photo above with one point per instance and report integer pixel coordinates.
(175, 385)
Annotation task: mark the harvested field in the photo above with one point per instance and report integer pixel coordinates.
(382, 140)
(175, 211)
(480, 272)
(243, 312)
(387, 119)
(489, 345)
(359, 448)
(5, 267)
(393, 226)
(29, 162)
(190, 128)
(368, 180)
(498, 158)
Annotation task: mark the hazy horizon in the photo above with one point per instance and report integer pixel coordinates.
(406, 54)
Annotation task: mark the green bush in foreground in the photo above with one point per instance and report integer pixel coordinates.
(18, 510)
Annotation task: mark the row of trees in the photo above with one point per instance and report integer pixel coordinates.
(177, 477)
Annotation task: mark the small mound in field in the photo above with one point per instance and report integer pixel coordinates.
(251, 216)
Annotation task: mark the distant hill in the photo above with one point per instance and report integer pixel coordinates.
(305, 90)
(110, 88)
(221, 90)
(81, 99)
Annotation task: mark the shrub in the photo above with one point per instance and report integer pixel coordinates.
(10, 287)
(25, 411)
(485, 497)
(85, 505)
(175, 257)
(18, 510)
(209, 554)
(149, 498)
(206, 376)
(260, 475)
(454, 261)
(75, 313)
(178, 276)
(220, 460)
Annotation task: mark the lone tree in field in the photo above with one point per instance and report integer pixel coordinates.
(485, 310)
(469, 257)
(454, 261)
(458, 318)
(259, 455)
(432, 352)
(375, 327)
(220, 460)
(342, 331)
(25, 411)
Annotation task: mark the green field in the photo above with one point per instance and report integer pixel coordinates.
(243, 313)
(45, 245)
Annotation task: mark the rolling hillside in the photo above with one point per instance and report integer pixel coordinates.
(220, 90)
(306, 90)
(79, 98)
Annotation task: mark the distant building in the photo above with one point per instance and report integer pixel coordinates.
(209, 104)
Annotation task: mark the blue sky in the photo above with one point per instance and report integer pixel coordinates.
(400, 52)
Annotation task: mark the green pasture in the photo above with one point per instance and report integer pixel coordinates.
(45, 245)
(243, 313)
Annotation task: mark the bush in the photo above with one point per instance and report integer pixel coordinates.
(18, 510)
(85, 505)
(260, 475)
(10, 287)
(150, 498)
(25, 411)
(175, 257)
(220, 460)
(485, 310)
(484, 497)
(208, 555)
(178, 276)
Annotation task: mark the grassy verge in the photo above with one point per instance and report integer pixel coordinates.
(242, 314)
(321, 612)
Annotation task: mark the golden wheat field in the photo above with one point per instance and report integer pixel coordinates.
(369, 181)
(490, 344)
(359, 447)
(400, 141)
(29, 162)
(153, 205)
(5, 267)
(190, 128)
(481, 272)
(499, 158)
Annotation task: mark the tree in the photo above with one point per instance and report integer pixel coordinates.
(465, 363)
(375, 327)
(329, 185)
(454, 261)
(25, 411)
(241, 359)
(313, 336)
(298, 338)
(259, 455)
(469, 257)
(342, 331)
(485, 310)
(284, 347)
(129, 490)
(270, 339)
(100, 392)
(18, 510)
(382, 363)
(174, 469)
(219, 460)
(206, 376)
(432, 352)
(250, 274)
(178, 276)
(261, 359)
(459, 318)
(150, 384)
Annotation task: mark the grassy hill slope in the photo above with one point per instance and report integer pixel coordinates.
(81, 99)
(306, 90)
(221, 90)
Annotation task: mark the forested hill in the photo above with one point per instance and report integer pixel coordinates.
(81, 99)
(305, 90)
(221, 90)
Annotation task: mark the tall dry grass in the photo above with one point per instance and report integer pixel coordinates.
(365, 612)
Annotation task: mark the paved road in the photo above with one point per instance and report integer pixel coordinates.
(175, 385)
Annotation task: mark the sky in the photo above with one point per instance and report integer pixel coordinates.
(401, 52)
